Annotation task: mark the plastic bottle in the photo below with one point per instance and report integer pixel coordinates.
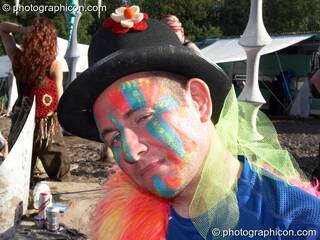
(39, 188)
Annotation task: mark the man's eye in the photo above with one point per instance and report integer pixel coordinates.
(115, 140)
(144, 117)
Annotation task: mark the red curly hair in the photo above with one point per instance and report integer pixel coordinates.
(39, 50)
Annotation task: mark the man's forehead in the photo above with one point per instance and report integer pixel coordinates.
(141, 79)
(132, 84)
(133, 92)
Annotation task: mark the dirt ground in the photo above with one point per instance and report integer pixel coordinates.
(301, 137)
(80, 192)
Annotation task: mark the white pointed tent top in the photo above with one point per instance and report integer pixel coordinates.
(228, 50)
(5, 66)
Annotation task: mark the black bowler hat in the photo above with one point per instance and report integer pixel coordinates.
(112, 56)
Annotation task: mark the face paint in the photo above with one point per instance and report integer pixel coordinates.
(168, 186)
(157, 126)
(133, 95)
(116, 154)
(125, 145)
(166, 103)
(169, 146)
(161, 130)
(165, 134)
(130, 92)
(163, 189)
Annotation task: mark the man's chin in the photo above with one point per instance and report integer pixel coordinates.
(167, 197)
(165, 193)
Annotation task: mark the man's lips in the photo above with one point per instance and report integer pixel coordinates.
(150, 167)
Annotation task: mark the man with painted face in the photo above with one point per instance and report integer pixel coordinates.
(171, 118)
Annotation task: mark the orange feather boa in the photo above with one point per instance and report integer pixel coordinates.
(129, 212)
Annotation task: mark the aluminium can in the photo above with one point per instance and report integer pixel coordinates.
(52, 218)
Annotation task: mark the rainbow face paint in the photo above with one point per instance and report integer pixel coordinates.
(125, 145)
(141, 120)
(158, 127)
(162, 188)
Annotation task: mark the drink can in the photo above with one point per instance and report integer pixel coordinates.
(45, 200)
(52, 218)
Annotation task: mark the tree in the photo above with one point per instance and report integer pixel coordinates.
(200, 18)
(234, 15)
(195, 15)
(286, 16)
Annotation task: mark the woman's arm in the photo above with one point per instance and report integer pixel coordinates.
(6, 30)
(57, 75)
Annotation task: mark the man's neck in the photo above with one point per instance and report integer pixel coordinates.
(182, 202)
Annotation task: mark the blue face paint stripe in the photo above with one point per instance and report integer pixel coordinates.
(162, 188)
(158, 128)
(116, 154)
(166, 103)
(125, 145)
(133, 95)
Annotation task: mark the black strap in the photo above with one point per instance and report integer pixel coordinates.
(186, 42)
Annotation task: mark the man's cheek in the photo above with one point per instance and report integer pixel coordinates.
(164, 133)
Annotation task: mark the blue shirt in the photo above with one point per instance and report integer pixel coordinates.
(267, 206)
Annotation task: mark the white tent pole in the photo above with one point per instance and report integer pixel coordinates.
(254, 38)
(72, 54)
(16, 3)
(99, 3)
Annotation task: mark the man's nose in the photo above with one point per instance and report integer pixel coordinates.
(133, 147)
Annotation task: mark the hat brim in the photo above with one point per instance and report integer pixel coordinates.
(75, 106)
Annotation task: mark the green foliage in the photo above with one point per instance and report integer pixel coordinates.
(234, 16)
(201, 18)
(286, 16)
(292, 16)
(280, 16)
(195, 15)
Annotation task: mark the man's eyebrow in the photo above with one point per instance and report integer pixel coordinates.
(126, 116)
(130, 112)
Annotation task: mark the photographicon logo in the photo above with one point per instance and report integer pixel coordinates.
(216, 232)
(6, 7)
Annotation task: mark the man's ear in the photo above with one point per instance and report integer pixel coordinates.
(200, 94)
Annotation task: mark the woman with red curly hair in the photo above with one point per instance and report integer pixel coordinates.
(38, 75)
